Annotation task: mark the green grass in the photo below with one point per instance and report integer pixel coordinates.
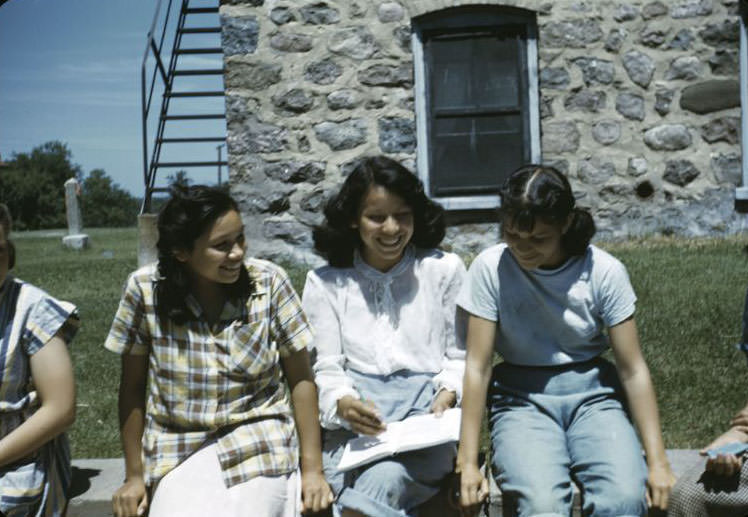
(690, 304)
(93, 280)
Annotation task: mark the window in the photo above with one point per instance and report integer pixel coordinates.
(476, 101)
(741, 193)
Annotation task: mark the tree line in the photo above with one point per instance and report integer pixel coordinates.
(32, 185)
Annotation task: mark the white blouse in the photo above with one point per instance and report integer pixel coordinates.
(380, 323)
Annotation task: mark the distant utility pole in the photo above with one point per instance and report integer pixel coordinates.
(218, 148)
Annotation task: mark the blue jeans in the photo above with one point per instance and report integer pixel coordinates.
(552, 425)
(395, 486)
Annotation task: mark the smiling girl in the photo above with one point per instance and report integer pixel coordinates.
(383, 313)
(208, 339)
(550, 303)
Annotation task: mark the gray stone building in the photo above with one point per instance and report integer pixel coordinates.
(637, 101)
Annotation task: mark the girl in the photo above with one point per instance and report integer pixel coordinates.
(37, 392)
(215, 334)
(383, 312)
(543, 300)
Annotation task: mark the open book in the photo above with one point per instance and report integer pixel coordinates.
(415, 432)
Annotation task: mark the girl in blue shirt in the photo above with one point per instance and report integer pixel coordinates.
(550, 304)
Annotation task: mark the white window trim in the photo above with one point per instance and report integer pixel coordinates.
(741, 193)
(474, 202)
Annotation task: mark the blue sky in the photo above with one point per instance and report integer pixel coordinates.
(70, 71)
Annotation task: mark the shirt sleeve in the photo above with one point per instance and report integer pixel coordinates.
(129, 333)
(289, 326)
(453, 363)
(480, 292)
(329, 359)
(616, 295)
(48, 317)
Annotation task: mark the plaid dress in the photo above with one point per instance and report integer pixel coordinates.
(222, 383)
(38, 484)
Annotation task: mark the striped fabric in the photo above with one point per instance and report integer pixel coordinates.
(223, 382)
(37, 485)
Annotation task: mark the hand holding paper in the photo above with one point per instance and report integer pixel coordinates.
(416, 432)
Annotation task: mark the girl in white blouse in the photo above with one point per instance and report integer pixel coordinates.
(383, 314)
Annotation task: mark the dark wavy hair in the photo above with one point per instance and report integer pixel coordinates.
(542, 192)
(6, 221)
(335, 240)
(187, 214)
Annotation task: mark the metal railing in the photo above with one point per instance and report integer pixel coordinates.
(166, 73)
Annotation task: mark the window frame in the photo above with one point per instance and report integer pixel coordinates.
(741, 192)
(471, 18)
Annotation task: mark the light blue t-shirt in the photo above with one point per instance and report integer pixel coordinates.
(549, 317)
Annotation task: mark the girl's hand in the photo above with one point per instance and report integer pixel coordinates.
(316, 494)
(444, 400)
(659, 485)
(363, 417)
(473, 490)
(725, 464)
(131, 499)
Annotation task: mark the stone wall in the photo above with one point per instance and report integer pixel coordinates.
(639, 104)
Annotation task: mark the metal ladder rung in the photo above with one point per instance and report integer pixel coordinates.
(213, 50)
(191, 164)
(197, 94)
(200, 30)
(195, 117)
(207, 71)
(193, 139)
(200, 10)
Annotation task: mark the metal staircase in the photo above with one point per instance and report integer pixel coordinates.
(186, 76)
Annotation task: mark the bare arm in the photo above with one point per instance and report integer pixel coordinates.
(480, 340)
(52, 373)
(316, 494)
(640, 394)
(131, 498)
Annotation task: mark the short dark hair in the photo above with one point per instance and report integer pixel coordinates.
(542, 192)
(336, 241)
(187, 214)
(6, 221)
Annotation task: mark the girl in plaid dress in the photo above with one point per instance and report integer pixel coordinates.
(37, 393)
(385, 335)
(212, 344)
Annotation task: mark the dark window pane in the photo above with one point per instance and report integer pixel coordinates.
(472, 155)
(495, 75)
(450, 84)
(474, 72)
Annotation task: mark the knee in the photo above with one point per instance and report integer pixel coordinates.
(385, 481)
(613, 499)
(536, 502)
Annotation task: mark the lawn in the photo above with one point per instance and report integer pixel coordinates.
(690, 303)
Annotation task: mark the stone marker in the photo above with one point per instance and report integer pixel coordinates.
(75, 238)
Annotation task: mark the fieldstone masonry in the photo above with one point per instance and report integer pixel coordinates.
(639, 105)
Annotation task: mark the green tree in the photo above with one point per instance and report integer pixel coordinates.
(104, 203)
(33, 186)
(179, 179)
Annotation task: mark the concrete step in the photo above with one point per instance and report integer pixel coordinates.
(95, 480)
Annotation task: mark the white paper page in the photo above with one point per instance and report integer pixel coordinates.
(364, 449)
(416, 432)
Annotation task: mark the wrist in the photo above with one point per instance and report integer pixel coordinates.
(658, 464)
